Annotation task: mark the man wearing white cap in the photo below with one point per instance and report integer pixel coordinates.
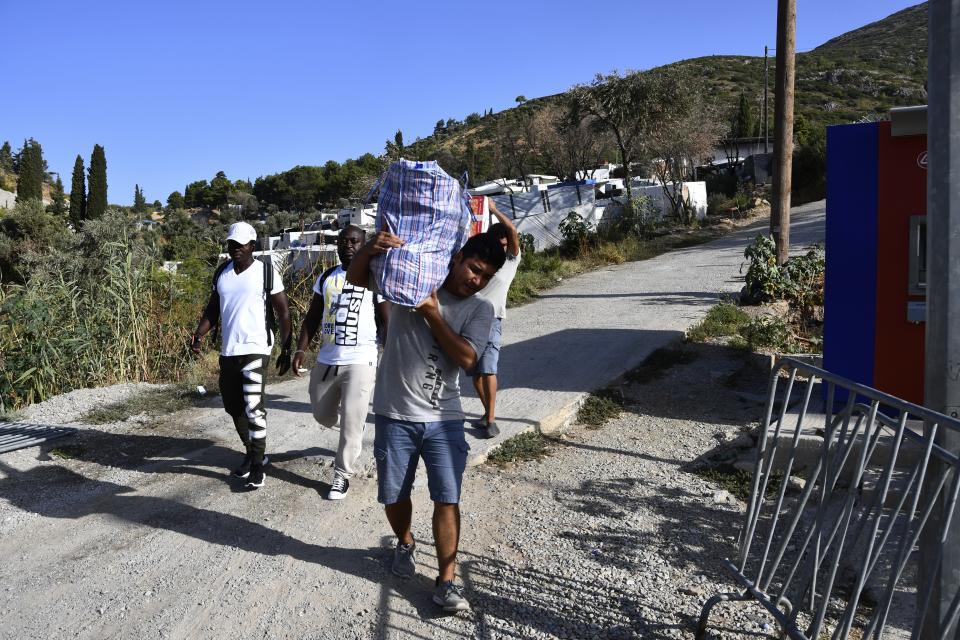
(246, 299)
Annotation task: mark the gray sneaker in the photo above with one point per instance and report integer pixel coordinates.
(448, 596)
(490, 430)
(404, 564)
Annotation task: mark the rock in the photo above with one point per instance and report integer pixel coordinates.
(777, 309)
(722, 497)
(795, 484)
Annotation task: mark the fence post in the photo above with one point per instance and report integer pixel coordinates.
(942, 361)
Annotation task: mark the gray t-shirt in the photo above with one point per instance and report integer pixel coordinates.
(417, 381)
(496, 290)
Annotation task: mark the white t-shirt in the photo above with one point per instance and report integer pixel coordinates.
(242, 311)
(496, 289)
(348, 333)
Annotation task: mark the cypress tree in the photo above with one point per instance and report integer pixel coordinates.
(743, 119)
(58, 200)
(30, 180)
(6, 157)
(97, 183)
(139, 202)
(78, 195)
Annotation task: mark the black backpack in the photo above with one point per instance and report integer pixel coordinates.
(268, 314)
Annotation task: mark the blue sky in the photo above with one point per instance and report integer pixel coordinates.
(176, 91)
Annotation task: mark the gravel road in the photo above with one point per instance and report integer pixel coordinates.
(140, 533)
(143, 536)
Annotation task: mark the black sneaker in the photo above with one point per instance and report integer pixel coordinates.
(339, 487)
(244, 469)
(490, 430)
(256, 478)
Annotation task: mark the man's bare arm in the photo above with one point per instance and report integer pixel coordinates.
(513, 238)
(210, 312)
(308, 328)
(358, 273)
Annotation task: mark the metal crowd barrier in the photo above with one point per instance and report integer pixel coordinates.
(838, 557)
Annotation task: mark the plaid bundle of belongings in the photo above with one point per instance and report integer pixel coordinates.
(430, 212)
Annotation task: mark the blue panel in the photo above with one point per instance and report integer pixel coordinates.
(850, 292)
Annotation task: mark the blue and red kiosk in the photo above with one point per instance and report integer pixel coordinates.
(875, 283)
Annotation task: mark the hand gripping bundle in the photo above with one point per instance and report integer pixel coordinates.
(430, 212)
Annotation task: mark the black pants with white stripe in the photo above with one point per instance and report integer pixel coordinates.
(242, 380)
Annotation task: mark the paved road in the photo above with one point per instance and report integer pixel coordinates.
(578, 336)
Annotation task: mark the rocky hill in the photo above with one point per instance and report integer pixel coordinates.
(860, 74)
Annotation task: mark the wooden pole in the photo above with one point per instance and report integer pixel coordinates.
(783, 127)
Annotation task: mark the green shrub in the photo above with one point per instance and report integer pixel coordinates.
(799, 280)
(766, 332)
(100, 311)
(577, 234)
(716, 204)
(724, 319)
(598, 408)
(522, 447)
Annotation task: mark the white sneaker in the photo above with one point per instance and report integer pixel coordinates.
(339, 487)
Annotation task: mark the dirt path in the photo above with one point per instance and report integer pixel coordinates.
(610, 537)
(139, 532)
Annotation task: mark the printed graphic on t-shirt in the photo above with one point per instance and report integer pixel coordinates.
(433, 383)
(343, 319)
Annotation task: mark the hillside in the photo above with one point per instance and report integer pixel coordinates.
(859, 74)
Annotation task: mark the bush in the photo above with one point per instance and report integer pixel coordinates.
(799, 281)
(725, 319)
(767, 332)
(100, 311)
(809, 177)
(638, 218)
(577, 234)
(716, 204)
(722, 183)
(527, 246)
(522, 447)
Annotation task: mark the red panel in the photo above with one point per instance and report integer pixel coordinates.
(898, 366)
(478, 206)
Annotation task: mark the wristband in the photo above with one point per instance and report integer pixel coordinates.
(299, 351)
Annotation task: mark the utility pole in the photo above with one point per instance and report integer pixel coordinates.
(783, 127)
(766, 110)
(940, 557)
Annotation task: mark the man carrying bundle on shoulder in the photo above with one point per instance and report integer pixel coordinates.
(416, 401)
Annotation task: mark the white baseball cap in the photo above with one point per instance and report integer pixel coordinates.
(242, 233)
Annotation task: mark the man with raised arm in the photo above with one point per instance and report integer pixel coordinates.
(484, 374)
(416, 401)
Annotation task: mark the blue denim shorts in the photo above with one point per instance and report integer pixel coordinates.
(398, 445)
(488, 360)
